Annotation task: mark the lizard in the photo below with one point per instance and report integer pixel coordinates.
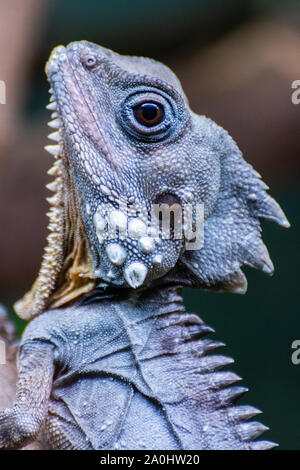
(110, 359)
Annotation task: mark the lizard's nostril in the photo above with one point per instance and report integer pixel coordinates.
(89, 61)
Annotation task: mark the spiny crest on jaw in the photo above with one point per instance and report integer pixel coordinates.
(128, 253)
(65, 272)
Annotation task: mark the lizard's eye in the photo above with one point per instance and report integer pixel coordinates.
(149, 114)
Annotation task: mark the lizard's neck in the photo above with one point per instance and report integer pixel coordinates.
(162, 299)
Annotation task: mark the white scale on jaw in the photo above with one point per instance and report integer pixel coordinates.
(135, 272)
(136, 228)
(116, 253)
(117, 219)
(100, 224)
(146, 244)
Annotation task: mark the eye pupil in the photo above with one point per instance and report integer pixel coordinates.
(149, 114)
(149, 111)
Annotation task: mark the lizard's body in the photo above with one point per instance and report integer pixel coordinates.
(112, 360)
(132, 373)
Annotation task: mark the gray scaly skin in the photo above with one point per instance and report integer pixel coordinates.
(110, 359)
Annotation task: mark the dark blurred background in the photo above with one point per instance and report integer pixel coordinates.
(237, 61)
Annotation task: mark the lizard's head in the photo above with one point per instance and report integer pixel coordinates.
(127, 143)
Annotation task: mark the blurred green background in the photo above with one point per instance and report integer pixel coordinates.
(236, 61)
